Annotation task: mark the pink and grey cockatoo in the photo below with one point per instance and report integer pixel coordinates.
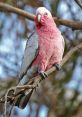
(43, 50)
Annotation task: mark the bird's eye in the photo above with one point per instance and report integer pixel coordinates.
(45, 13)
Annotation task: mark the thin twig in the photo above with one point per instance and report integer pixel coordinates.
(8, 8)
(26, 87)
(79, 3)
(5, 104)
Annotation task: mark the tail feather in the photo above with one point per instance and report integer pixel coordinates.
(23, 99)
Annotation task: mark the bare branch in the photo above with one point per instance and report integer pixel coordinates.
(8, 8)
(76, 25)
(65, 59)
(36, 80)
(26, 87)
(79, 3)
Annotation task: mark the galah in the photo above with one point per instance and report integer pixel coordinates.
(44, 49)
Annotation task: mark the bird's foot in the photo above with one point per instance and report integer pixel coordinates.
(43, 75)
(58, 67)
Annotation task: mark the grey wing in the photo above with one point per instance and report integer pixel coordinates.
(29, 54)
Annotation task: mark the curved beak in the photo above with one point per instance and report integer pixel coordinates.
(39, 18)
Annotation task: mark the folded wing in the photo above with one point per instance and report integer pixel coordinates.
(30, 53)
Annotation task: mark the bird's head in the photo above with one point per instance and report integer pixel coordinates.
(42, 14)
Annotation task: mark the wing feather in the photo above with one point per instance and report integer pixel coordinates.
(29, 54)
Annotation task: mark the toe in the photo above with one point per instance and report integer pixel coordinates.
(43, 75)
(58, 67)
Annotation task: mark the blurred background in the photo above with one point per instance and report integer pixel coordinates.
(61, 94)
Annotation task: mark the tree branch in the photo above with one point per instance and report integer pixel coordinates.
(36, 80)
(65, 59)
(79, 3)
(8, 8)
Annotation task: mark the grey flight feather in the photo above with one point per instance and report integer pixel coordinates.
(30, 53)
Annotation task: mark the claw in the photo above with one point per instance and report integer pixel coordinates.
(43, 75)
(58, 67)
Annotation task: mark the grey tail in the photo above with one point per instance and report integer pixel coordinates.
(23, 99)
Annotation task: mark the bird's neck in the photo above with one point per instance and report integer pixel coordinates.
(48, 29)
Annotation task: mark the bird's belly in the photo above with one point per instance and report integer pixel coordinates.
(55, 58)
